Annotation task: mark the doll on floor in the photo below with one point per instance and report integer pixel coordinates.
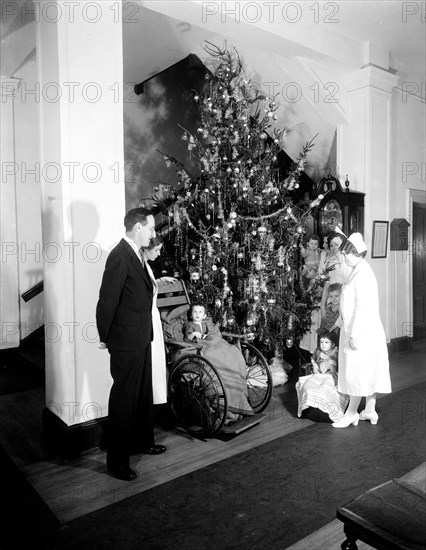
(324, 358)
(319, 389)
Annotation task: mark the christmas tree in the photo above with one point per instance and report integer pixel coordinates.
(234, 230)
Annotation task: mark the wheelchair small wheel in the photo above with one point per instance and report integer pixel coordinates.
(259, 378)
(197, 396)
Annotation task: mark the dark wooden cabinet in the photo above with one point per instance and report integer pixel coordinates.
(338, 207)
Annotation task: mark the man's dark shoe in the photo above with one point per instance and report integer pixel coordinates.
(154, 450)
(124, 472)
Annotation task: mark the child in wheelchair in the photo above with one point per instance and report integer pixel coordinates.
(225, 357)
(196, 329)
(207, 340)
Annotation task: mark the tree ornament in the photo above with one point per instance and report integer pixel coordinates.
(237, 171)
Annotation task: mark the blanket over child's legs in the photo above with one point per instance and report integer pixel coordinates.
(229, 363)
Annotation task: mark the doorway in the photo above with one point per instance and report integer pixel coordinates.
(419, 271)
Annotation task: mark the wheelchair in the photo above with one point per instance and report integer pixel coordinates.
(196, 390)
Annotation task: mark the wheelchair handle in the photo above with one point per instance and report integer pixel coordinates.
(234, 335)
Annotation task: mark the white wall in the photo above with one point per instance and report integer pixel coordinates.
(28, 206)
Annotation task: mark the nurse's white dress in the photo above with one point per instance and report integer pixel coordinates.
(363, 371)
(158, 361)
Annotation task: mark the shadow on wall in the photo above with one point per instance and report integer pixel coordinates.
(153, 121)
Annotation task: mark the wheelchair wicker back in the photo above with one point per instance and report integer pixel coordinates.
(196, 391)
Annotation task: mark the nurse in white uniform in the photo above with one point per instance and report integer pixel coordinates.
(158, 355)
(363, 355)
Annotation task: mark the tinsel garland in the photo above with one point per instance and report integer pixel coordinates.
(234, 230)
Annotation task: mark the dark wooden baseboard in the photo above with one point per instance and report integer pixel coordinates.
(401, 344)
(73, 441)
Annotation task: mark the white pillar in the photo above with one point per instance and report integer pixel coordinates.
(364, 153)
(80, 65)
(9, 283)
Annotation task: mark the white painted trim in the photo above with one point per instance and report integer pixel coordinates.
(9, 271)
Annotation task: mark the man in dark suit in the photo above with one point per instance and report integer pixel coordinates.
(124, 321)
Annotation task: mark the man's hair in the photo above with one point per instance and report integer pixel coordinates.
(335, 287)
(136, 215)
(349, 248)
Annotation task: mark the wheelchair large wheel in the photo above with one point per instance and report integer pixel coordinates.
(197, 396)
(259, 378)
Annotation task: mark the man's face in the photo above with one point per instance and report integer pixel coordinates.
(335, 244)
(198, 314)
(145, 232)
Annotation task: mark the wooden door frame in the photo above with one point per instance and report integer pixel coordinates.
(418, 196)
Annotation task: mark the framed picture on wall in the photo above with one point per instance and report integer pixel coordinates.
(379, 246)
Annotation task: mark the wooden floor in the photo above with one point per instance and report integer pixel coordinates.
(330, 536)
(72, 489)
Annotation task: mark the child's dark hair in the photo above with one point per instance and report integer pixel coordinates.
(335, 287)
(330, 335)
(198, 304)
(313, 237)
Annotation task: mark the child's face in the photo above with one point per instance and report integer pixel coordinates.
(325, 344)
(334, 297)
(198, 314)
(313, 244)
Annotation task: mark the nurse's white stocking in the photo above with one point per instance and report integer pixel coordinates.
(370, 403)
(354, 402)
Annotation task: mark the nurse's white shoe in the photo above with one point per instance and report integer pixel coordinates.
(373, 417)
(346, 421)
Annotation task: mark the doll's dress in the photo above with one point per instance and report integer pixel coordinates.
(319, 390)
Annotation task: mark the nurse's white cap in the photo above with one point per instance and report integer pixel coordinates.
(358, 242)
(338, 230)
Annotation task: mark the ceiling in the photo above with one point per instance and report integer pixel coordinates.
(391, 25)
(164, 33)
(322, 46)
(335, 33)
